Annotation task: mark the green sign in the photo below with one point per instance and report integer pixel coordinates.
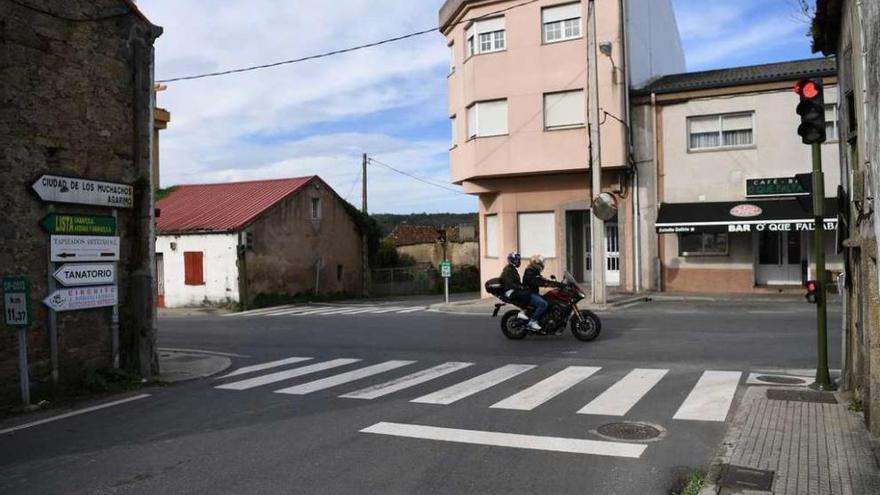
(445, 269)
(17, 301)
(773, 187)
(78, 224)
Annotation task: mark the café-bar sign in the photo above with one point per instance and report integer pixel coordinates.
(774, 187)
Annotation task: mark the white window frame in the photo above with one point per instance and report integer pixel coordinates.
(562, 24)
(452, 120)
(575, 125)
(833, 108)
(721, 145)
(548, 218)
(474, 37)
(473, 131)
(491, 250)
(451, 58)
(703, 252)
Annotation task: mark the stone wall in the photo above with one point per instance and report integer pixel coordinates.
(76, 99)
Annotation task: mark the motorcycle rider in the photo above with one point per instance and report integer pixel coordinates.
(533, 281)
(518, 294)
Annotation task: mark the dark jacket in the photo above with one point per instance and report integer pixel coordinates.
(510, 278)
(533, 280)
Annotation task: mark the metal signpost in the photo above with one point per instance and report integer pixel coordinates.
(446, 272)
(17, 313)
(64, 248)
(77, 190)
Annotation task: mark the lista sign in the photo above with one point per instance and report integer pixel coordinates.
(79, 274)
(82, 298)
(84, 248)
(54, 223)
(76, 190)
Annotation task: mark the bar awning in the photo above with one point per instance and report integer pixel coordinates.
(740, 216)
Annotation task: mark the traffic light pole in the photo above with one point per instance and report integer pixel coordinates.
(823, 379)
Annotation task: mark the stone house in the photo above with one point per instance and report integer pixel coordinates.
(850, 30)
(237, 242)
(76, 85)
(422, 243)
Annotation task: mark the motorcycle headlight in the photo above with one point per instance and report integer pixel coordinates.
(581, 295)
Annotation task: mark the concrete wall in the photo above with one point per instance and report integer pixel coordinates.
(220, 268)
(76, 102)
(288, 244)
(459, 253)
(654, 42)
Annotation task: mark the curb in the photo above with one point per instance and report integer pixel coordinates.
(189, 369)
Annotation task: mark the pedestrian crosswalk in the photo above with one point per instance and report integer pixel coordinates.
(709, 397)
(327, 310)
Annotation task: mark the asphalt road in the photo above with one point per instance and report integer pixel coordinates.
(434, 429)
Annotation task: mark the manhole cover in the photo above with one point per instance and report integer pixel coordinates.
(802, 396)
(629, 431)
(738, 477)
(787, 380)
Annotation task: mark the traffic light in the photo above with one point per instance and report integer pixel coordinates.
(812, 110)
(806, 183)
(812, 295)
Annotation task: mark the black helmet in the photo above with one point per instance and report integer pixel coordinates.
(514, 259)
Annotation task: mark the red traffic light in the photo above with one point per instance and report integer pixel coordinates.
(807, 88)
(812, 286)
(812, 295)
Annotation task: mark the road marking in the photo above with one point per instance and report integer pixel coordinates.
(350, 376)
(297, 309)
(623, 395)
(74, 413)
(711, 397)
(260, 311)
(310, 311)
(386, 309)
(546, 389)
(406, 381)
(362, 310)
(285, 375)
(469, 387)
(410, 310)
(264, 366)
(200, 351)
(513, 440)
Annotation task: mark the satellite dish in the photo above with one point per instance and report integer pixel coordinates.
(605, 207)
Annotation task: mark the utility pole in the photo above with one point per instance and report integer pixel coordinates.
(597, 226)
(365, 250)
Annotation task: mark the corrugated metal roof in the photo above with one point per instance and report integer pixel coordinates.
(737, 76)
(221, 207)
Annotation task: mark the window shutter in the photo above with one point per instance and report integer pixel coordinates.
(704, 124)
(561, 12)
(492, 118)
(537, 234)
(737, 122)
(193, 268)
(472, 121)
(492, 236)
(563, 109)
(489, 25)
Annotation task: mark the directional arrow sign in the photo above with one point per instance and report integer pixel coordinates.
(77, 190)
(79, 274)
(84, 248)
(54, 223)
(82, 298)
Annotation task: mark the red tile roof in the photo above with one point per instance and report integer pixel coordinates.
(222, 207)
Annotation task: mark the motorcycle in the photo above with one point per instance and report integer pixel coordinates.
(561, 310)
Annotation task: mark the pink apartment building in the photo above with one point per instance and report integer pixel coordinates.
(517, 86)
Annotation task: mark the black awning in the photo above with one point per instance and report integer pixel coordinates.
(740, 216)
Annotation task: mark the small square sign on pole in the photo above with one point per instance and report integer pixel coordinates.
(17, 313)
(445, 269)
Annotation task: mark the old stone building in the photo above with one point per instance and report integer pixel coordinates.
(76, 100)
(266, 240)
(462, 246)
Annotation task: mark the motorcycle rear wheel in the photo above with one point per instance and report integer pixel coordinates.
(513, 327)
(588, 329)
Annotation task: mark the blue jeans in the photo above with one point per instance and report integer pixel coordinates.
(540, 305)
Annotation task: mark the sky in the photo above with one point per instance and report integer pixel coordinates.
(318, 117)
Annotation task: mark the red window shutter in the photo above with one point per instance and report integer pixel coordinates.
(193, 269)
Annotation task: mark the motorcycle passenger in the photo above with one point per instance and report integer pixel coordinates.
(533, 281)
(514, 290)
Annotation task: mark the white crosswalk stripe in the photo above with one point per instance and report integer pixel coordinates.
(286, 375)
(477, 384)
(623, 395)
(349, 376)
(406, 381)
(326, 310)
(546, 389)
(711, 397)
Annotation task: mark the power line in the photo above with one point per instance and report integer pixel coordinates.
(416, 177)
(70, 19)
(337, 52)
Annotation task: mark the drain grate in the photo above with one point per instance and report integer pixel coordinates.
(802, 396)
(744, 478)
(629, 431)
(786, 380)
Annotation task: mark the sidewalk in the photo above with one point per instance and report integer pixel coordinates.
(795, 441)
(182, 365)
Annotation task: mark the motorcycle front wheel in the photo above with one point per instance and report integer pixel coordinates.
(586, 328)
(513, 327)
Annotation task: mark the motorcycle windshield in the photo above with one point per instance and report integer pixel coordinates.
(569, 279)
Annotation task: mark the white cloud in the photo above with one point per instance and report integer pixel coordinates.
(760, 36)
(252, 125)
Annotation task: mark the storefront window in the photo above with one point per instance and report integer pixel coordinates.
(702, 244)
